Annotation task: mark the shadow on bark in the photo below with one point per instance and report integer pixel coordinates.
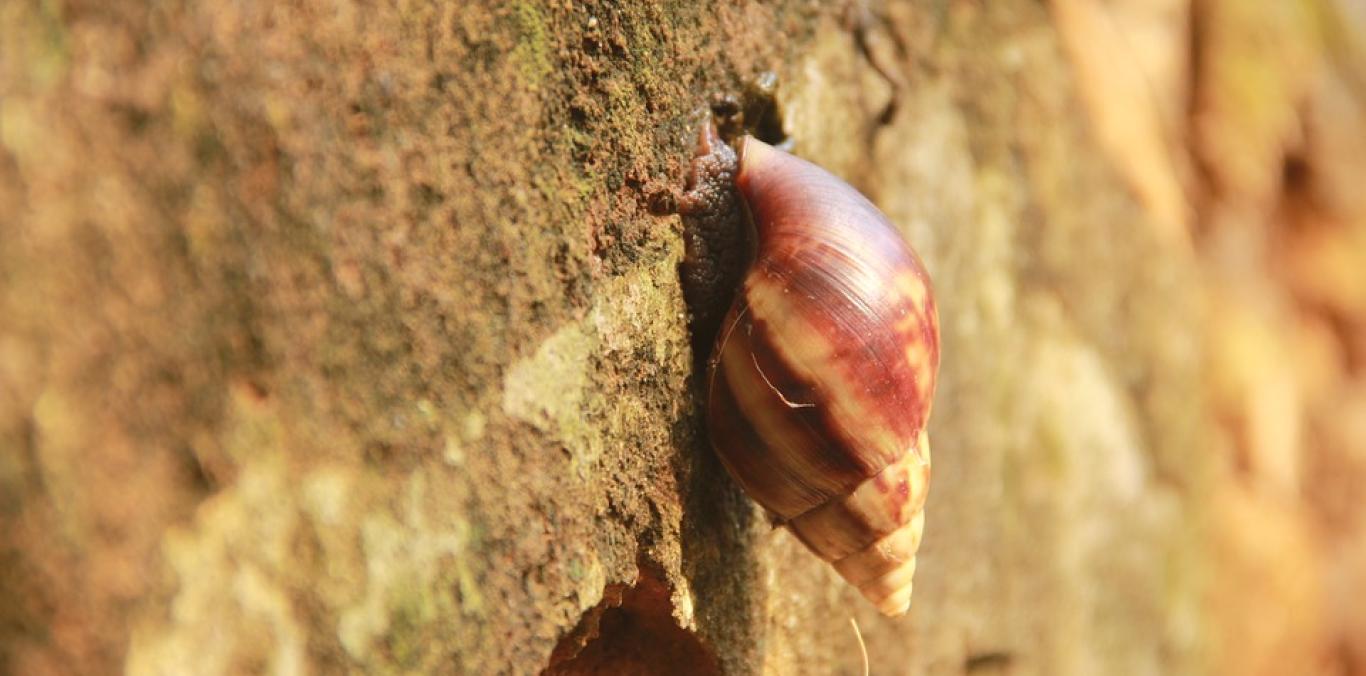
(632, 630)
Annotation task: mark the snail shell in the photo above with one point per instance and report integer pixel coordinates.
(821, 377)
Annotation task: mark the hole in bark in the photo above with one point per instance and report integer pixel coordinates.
(631, 631)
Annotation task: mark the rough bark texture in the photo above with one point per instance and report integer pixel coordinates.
(338, 337)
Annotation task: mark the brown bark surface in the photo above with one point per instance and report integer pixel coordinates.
(338, 337)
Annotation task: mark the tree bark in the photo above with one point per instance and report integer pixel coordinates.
(341, 338)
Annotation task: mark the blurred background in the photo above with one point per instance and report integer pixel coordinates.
(339, 338)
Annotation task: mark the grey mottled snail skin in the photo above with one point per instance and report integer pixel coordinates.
(823, 338)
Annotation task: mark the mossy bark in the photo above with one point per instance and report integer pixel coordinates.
(339, 337)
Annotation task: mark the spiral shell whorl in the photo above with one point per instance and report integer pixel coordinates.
(871, 535)
(823, 373)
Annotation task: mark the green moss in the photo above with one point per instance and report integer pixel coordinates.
(471, 600)
(412, 614)
(532, 53)
(46, 53)
(456, 574)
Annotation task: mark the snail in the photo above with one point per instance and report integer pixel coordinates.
(822, 337)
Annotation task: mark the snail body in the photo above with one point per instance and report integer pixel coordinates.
(822, 368)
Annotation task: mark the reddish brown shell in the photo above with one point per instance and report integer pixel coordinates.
(822, 376)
